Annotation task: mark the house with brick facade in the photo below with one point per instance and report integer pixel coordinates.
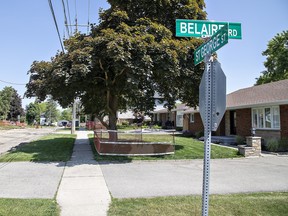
(262, 109)
(170, 118)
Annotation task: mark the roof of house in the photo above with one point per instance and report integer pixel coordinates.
(179, 107)
(266, 94)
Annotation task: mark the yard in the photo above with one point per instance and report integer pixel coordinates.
(56, 147)
(28, 207)
(255, 204)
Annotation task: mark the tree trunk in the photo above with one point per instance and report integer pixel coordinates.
(113, 107)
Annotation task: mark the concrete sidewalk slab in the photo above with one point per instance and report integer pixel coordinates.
(175, 178)
(30, 180)
(83, 190)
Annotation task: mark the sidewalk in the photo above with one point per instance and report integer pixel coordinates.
(83, 190)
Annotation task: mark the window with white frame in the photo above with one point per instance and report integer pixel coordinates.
(266, 117)
(192, 118)
(179, 118)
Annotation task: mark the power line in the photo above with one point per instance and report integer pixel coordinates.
(65, 18)
(88, 16)
(76, 21)
(68, 9)
(11, 83)
(55, 22)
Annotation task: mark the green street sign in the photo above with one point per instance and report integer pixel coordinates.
(218, 40)
(205, 28)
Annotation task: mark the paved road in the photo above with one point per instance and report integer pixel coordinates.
(168, 178)
(12, 138)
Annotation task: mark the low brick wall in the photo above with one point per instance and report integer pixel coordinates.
(130, 148)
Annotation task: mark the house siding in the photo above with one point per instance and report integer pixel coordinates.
(221, 131)
(268, 134)
(197, 126)
(243, 122)
(284, 120)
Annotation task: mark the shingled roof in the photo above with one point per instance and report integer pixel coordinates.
(266, 94)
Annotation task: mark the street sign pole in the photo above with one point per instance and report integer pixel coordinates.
(209, 77)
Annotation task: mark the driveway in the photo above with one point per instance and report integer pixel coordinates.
(172, 178)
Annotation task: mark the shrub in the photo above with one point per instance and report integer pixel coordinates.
(125, 123)
(272, 145)
(283, 144)
(199, 134)
(240, 140)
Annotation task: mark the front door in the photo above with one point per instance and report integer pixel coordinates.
(233, 122)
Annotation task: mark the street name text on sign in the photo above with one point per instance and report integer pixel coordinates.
(219, 39)
(205, 28)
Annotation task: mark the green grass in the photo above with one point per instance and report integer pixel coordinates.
(54, 147)
(256, 204)
(185, 148)
(28, 207)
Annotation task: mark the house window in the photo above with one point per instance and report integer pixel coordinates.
(179, 119)
(192, 118)
(266, 118)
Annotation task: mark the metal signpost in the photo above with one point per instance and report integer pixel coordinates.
(212, 89)
(212, 106)
(205, 28)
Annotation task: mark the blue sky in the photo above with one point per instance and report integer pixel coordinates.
(28, 34)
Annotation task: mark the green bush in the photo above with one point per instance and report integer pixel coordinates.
(283, 144)
(272, 144)
(125, 123)
(240, 140)
(199, 134)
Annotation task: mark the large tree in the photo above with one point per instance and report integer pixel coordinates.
(5, 99)
(52, 114)
(277, 60)
(124, 61)
(16, 109)
(33, 112)
(10, 104)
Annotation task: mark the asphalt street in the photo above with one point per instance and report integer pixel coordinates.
(173, 178)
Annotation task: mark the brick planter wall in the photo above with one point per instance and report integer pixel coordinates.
(130, 148)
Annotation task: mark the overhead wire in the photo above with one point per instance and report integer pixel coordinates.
(76, 21)
(88, 17)
(65, 18)
(55, 22)
(69, 17)
(12, 83)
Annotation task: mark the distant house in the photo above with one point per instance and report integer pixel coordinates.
(262, 109)
(129, 117)
(170, 118)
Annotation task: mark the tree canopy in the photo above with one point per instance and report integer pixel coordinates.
(10, 104)
(125, 60)
(277, 59)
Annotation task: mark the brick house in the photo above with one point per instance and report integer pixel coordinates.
(174, 117)
(263, 108)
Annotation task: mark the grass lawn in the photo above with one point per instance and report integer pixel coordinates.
(255, 204)
(28, 207)
(185, 148)
(53, 147)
